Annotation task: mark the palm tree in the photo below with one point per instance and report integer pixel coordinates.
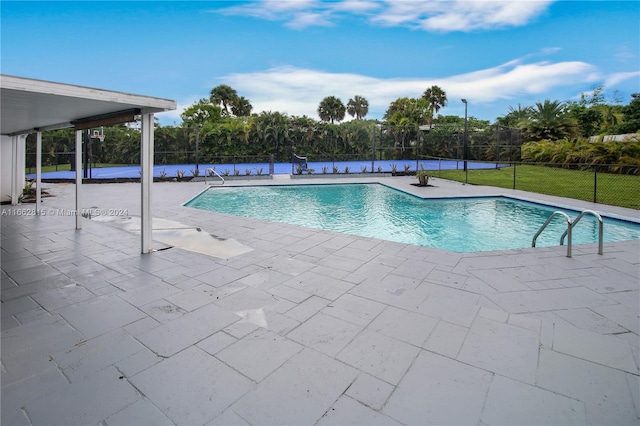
(437, 98)
(331, 109)
(225, 95)
(237, 136)
(301, 134)
(550, 120)
(241, 106)
(358, 107)
(516, 117)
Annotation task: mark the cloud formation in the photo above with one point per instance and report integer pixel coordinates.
(428, 15)
(298, 91)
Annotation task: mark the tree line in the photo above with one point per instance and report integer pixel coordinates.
(223, 125)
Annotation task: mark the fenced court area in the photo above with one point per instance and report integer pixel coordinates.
(492, 157)
(588, 183)
(252, 166)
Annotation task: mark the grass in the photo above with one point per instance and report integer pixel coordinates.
(612, 189)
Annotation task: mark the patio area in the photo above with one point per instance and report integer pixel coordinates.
(300, 326)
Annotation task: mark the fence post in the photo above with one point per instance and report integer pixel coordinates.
(595, 183)
(514, 175)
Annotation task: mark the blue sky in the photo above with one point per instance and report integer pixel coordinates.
(287, 56)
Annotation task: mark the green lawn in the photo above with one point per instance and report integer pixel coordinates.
(612, 189)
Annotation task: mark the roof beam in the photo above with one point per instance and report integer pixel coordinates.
(106, 119)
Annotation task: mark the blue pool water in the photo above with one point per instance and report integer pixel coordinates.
(377, 211)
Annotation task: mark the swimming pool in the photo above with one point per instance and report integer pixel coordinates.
(377, 211)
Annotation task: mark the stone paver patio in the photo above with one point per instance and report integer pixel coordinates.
(309, 327)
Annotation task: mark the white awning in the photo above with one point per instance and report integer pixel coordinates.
(29, 105)
(34, 106)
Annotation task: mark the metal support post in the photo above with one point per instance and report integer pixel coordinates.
(78, 164)
(146, 179)
(38, 171)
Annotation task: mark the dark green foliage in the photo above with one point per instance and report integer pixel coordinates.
(437, 98)
(358, 107)
(331, 109)
(631, 114)
(574, 153)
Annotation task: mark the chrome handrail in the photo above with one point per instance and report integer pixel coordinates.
(554, 214)
(600, 228)
(213, 172)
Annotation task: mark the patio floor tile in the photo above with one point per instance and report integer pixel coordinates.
(381, 356)
(112, 311)
(370, 391)
(100, 396)
(141, 413)
(325, 333)
(514, 403)
(354, 309)
(606, 350)
(191, 387)
(259, 354)
(176, 335)
(502, 349)
(438, 390)
(347, 411)
(299, 392)
(403, 325)
(604, 390)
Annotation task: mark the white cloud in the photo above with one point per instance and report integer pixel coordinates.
(429, 15)
(625, 54)
(298, 91)
(271, 10)
(613, 79)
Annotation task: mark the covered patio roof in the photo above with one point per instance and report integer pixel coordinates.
(30, 105)
(34, 106)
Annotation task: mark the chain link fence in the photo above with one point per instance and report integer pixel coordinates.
(494, 152)
(616, 185)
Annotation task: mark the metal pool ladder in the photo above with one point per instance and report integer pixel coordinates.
(570, 225)
(212, 172)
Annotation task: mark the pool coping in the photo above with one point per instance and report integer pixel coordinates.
(614, 212)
